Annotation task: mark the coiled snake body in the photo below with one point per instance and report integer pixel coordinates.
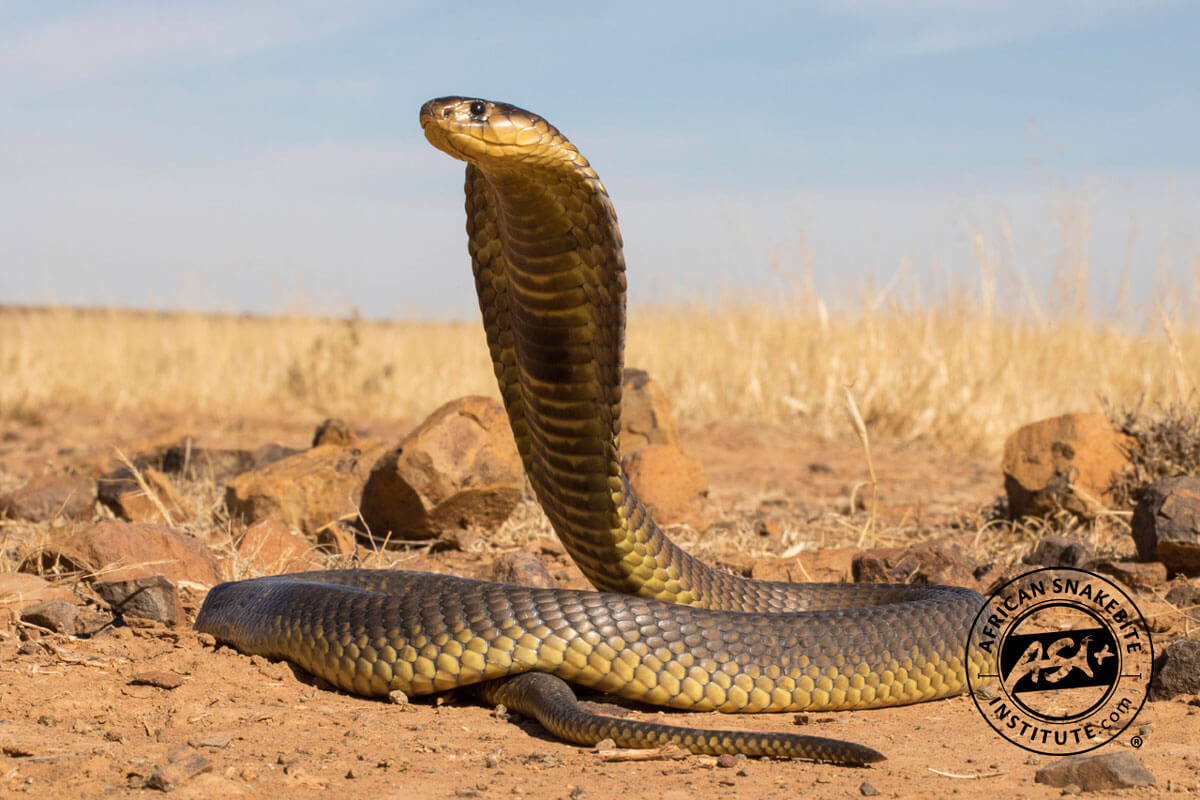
(665, 628)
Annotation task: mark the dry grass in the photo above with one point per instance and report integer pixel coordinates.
(958, 374)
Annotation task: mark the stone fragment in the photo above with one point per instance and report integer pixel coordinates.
(182, 764)
(271, 547)
(670, 484)
(458, 469)
(308, 490)
(138, 506)
(49, 496)
(125, 550)
(934, 562)
(19, 590)
(523, 569)
(1060, 551)
(153, 597)
(1183, 595)
(1166, 524)
(59, 616)
(1134, 574)
(157, 678)
(1176, 670)
(646, 416)
(1118, 769)
(1066, 462)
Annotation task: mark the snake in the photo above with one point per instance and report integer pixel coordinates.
(663, 628)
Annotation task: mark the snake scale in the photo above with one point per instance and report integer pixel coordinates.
(665, 628)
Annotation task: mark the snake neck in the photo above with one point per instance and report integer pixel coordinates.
(549, 272)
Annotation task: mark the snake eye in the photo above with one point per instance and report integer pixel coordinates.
(478, 107)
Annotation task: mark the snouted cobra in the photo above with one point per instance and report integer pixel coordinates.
(665, 628)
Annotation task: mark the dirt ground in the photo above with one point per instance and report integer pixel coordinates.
(74, 722)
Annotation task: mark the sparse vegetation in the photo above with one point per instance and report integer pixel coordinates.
(1167, 445)
(949, 374)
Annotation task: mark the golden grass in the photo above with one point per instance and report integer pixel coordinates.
(959, 374)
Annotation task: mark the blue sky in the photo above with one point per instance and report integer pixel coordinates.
(266, 155)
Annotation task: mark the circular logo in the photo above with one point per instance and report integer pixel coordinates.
(1070, 658)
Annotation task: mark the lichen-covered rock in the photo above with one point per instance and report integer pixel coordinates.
(458, 469)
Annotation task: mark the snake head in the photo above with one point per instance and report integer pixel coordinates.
(490, 134)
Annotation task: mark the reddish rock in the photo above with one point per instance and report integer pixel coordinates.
(458, 469)
(123, 550)
(48, 496)
(646, 416)
(670, 484)
(1066, 462)
(935, 562)
(20, 589)
(271, 547)
(1166, 524)
(138, 506)
(308, 490)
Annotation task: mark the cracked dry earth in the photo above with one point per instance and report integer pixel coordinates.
(134, 710)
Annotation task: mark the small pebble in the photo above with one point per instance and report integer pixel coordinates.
(867, 789)
(725, 760)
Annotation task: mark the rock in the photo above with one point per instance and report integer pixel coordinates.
(458, 469)
(1183, 595)
(334, 431)
(124, 550)
(182, 764)
(670, 484)
(273, 548)
(59, 616)
(867, 789)
(308, 490)
(934, 562)
(137, 506)
(1166, 524)
(1060, 551)
(160, 679)
(148, 597)
(48, 496)
(1176, 670)
(1043, 461)
(19, 590)
(338, 538)
(1134, 574)
(1092, 773)
(646, 416)
(523, 569)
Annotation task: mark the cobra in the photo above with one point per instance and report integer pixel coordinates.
(664, 629)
